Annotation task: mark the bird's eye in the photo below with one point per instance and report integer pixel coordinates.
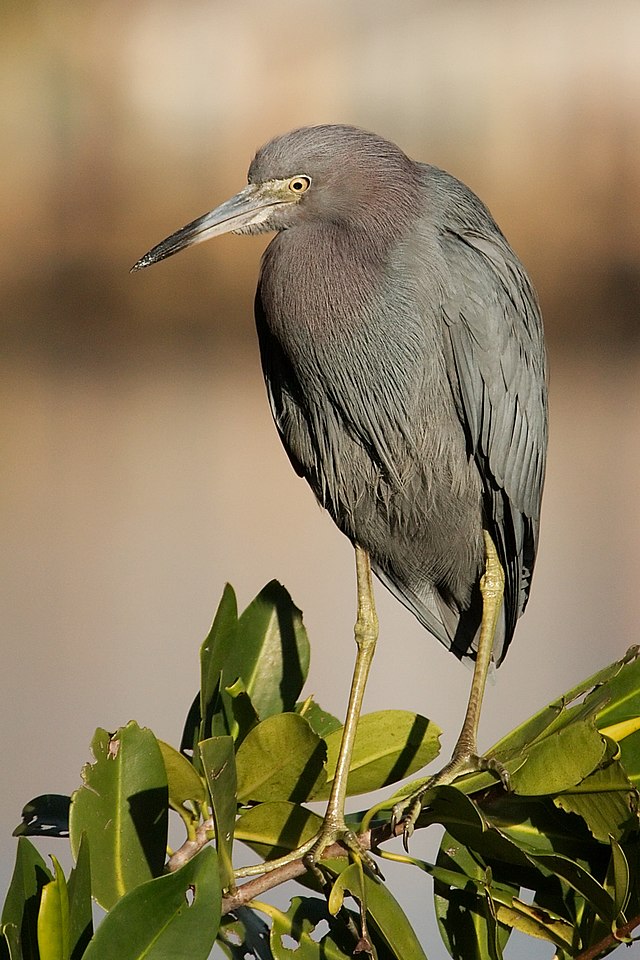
(299, 184)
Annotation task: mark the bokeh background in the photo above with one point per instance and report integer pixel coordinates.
(141, 468)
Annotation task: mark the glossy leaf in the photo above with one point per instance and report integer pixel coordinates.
(559, 762)
(272, 653)
(244, 936)
(618, 875)
(241, 715)
(466, 917)
(215, 649)
(46, 815)
(319, 720)
(618, 695)
(300, 923)
(606, 802)
(266, 649)
(622, 707)
(54, 935)
(349, 882)
(183, 781)
(534, 825)
(281, 759)
(10, 942)
(536, 922)
(80, 909)
(214, 653)
(122, 809)
(174, 917)
(218, 762)
(389, 745)
(386, 916)
(273, 829)
(557, 713)
(581, 881)
(22, 902)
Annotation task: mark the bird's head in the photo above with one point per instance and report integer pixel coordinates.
(333, 173)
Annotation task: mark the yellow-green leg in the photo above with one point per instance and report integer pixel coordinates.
(366, 635)
(465, 758)
(334, 827)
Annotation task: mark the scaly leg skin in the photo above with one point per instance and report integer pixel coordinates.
(465, 758)
(334, 827)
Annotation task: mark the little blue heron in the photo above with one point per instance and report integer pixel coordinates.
(403, 353)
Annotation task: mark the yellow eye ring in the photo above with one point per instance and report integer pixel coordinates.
(299, 184)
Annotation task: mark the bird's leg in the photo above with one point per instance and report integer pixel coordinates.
(366, 635)
(465, 758)
(334, 827)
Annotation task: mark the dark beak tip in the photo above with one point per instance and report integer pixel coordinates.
(141, 264)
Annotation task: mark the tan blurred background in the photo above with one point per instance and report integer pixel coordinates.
(142, 470)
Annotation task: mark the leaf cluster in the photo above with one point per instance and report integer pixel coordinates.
(557, 858)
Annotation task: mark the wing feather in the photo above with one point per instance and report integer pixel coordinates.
(496, 362)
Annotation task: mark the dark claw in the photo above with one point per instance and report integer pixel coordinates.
(407, 833)
(494, 766)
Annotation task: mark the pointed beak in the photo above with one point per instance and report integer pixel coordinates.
(250, 207)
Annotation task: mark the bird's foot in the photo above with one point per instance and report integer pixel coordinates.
(335, 830)
(407, 811)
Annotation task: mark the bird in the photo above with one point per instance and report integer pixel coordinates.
(403, 353)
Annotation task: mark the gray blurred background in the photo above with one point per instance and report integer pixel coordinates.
(142, 469)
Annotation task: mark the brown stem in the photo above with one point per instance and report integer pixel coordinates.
(189, 848)
(266, 881)
(611, 939)
(289, 871)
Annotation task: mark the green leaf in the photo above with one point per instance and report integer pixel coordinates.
(557, 713)
(22, 903)
(319, 720)
(46, 815)
(175, 917)
(10, 942)
(470, 827)
(466, 916)
(244, 935)
(266, 649)
(241, 715)
(272, 653)
(192, 729)
(218, 762)
(535, 825)
(557, 763)
(122, 809)
(214, 653)
(273, 829)
(580, 880)
(389, 745)
(281, 759)
(80, 910)
(54, 940)
(622, 704)
(390, 921)
(618, 697)
(536, 922)
(514, 743)
(606, 802)
(617, 882)
(299, 923)
(350, 880)
(184, 782)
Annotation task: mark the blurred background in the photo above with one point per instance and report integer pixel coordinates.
(142, 470)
